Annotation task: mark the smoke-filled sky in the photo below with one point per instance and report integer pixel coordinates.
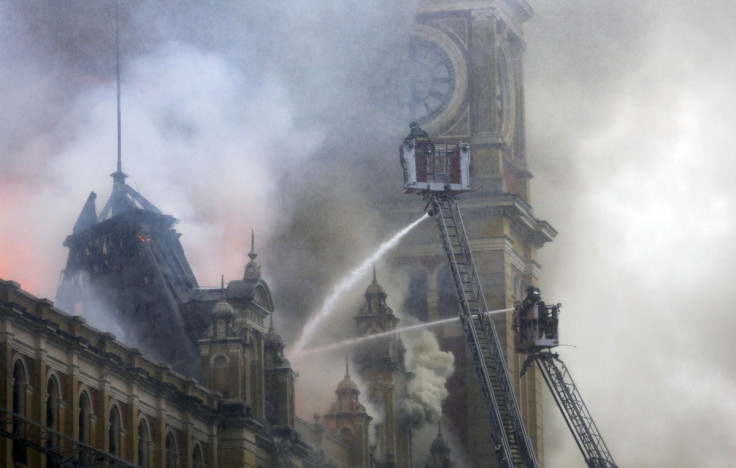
(263, 115)
(631, 114)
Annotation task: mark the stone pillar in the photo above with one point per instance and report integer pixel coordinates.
(484, 105)
(38, 406)
(483, 79)
(103, 441)
(6, 383)
(131, 416)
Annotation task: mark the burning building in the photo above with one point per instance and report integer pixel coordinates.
(207, 383)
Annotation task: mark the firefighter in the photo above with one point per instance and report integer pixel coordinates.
(416, 133)
(533, 296)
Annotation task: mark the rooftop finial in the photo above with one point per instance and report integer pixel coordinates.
(252, 254)
(222, 286)
(374, 274)
(347, 366)
(252, 269)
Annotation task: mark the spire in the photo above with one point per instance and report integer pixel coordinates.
(347, 368)
(440, 451)
(222, 307)
(252, 254)
(375, 298)
(252, 269)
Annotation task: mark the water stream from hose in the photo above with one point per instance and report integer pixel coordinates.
(347, 283)
(361, 339)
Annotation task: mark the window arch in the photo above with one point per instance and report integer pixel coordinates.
(52, 416)
(113, 432)
(415, 302)
(171, 456)
(144, 439)
(197, 458)
(518, 288)
(52, 403)
(220, 361)
(20, 382)
(85, 412)
(448, 301)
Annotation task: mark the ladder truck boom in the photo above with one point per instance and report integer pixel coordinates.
(535, 332)
(438, 174)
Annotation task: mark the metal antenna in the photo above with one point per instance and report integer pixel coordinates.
(117, 74)
(118, 176)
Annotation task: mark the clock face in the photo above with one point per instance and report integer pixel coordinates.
(422, 79)
(431, 81)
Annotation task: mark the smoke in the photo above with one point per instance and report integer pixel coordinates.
(629, 113)
(234, 117)
(101, 317)
(426, 391)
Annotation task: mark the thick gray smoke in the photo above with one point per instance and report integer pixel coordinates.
(630, 114)
(236, 115)
(426, 391)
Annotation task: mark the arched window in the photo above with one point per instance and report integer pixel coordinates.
(518, 288)
(143, 441)
(416, 294)
(449, 306)
(197, 459)
(19, 408)
(52, 418)
(172, 456)
(113, 433)
(84, 418)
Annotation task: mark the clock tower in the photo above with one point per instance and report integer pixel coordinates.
(467, 86)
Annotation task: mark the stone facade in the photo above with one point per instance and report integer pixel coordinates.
(86, 396)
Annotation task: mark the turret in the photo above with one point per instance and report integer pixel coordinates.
(440, 452)
(348, 420)
(280, 379)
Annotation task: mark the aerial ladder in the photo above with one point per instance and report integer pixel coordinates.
(535, 334)
(439, 173)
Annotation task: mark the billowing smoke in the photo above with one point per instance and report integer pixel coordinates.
(234, 117)
(99, 315)
(630, 114)
(426, 391)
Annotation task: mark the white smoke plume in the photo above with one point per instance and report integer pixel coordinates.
(426, 391)
(98, 315)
